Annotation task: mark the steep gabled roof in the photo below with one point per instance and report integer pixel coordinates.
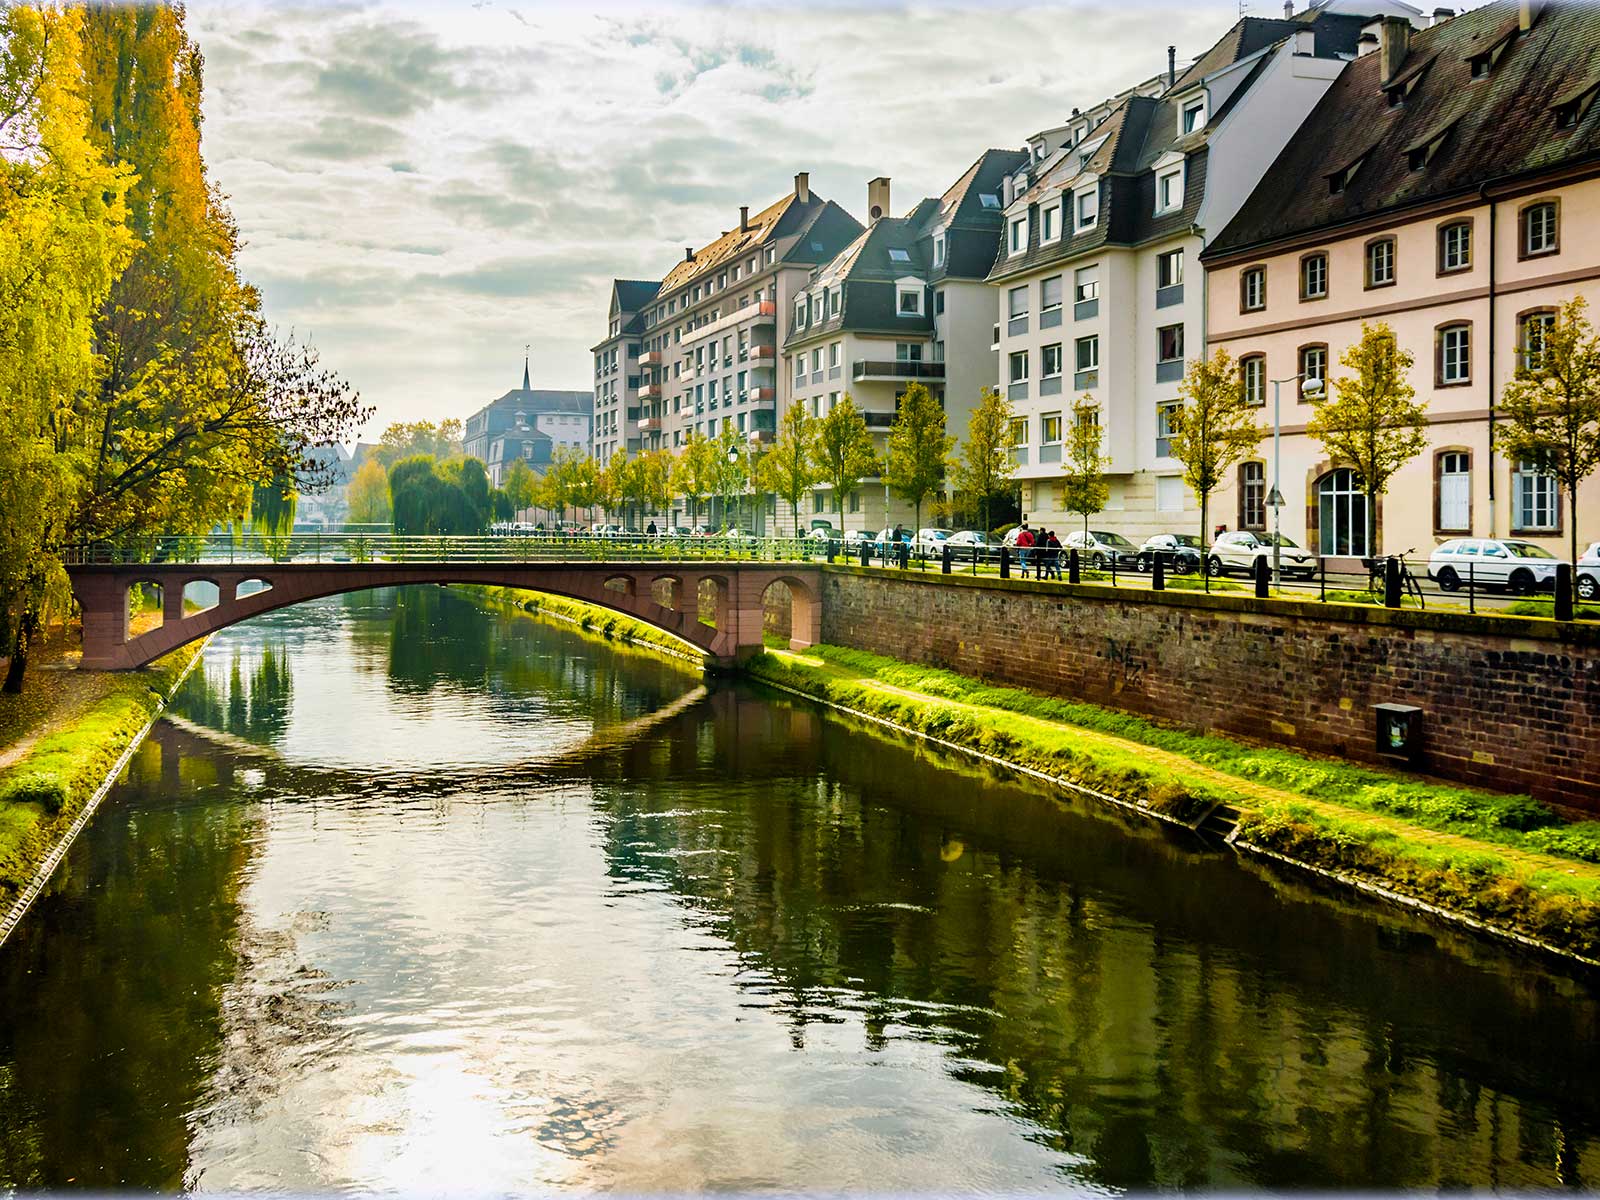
(1499, 127)
(634, 294)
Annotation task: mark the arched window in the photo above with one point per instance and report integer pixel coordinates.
(1252, 495)
(1453, 492)
(1253, 379)
(1342, 513)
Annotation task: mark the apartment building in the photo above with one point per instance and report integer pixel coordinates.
(905, 302)
(527, 423)
(1097, 279)
(1449, 185)
(617, 407)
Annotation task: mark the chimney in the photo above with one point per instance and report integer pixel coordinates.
(877, 198)
(1288, 10)
(1172, 65)
(688, 254)
(1394, 42)
(1441, 15)
(802, 187)
(1368, 41)
(744, 217)
(1528, 13)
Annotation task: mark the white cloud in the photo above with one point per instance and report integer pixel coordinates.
(423, 188)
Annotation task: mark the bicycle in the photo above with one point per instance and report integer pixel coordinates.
(1378, 574)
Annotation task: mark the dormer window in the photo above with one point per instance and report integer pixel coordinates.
(1169, 190)
(1194, 114)
(1087, 209)
(1050, 223)
(835, 300)
(938, 249)
(910, 304)
(1419, 154)
(1340, 179)
(800, 313)
(1574, 105)
(1017, 236)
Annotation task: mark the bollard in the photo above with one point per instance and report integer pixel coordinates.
(1563, 591)
(833, 549)
(1263, 577)
(866, 554)
(1158, 572)
(1005, 562)
(944, 554)
(1074, 571)
(1391, 583)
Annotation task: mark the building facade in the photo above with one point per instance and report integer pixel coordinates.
(617, 379)
(528, 423)
(1099, 294)
(905, 302)
(1449, 186)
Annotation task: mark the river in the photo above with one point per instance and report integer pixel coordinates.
(418, 894)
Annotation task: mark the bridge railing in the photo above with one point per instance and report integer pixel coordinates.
(347, 548)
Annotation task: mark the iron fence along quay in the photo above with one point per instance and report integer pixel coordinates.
(1405, 583)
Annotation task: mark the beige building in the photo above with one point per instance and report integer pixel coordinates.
(1449, 185)
(617, 374)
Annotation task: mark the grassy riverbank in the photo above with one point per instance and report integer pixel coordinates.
(43, 790)
(591, 618)
(1504, 860)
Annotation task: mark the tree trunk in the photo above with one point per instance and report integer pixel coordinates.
(26, 625)
(1572, 534)
(1205, 519)
(1372, 524)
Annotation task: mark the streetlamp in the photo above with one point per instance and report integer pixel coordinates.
(1310, 389)
(733, 460)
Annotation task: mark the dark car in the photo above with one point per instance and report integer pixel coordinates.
(1181, 552)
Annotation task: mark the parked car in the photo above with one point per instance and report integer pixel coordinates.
(854, 537)
(963, 542)
(1589, 573)
(928, 541)
(604, 530)
(1238, 552)
(1099, 548)
(1181, 552)
(886, 538)
(736, 534)
(1517, 566)
(822, 531)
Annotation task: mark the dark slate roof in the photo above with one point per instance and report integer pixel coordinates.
(542, 400)
(1335, 33)
(868, 275)
(1498, 128)
(634, 294)
(972, 228)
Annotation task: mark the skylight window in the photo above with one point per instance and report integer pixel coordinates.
(989, 199)
(898, 255)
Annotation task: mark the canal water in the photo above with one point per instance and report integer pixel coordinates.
(415, 894)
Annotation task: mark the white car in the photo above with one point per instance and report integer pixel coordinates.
(1239, 550)
(1589, 573)
(929, 541)
(1517, 566)
(964, 542)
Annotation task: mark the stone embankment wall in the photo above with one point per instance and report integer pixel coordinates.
(1507, 703)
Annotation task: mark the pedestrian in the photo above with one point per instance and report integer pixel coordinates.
(1025, 548)
(1053, 554)
(650, 531)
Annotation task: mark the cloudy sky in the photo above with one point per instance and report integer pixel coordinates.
(425, 188)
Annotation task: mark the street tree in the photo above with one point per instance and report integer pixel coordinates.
(584, 488)
(1550, 412)
(402, 439)
(844, 451)
(731, 471)
(519, 486)
(1083, 484)
(694, 473)
(1214, 430)
(789, 469)
(1373, 424)
(919, 449)
(368, 493)
(985, 469)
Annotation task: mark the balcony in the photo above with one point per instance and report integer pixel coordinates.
(650, 425)
(878, 420)
(1166, 297)
(651, 391)
(865, 370)
(762, 312)
(763, 354)
(650, 358)
(759, 395)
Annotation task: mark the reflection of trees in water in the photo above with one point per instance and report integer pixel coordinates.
(1163, 1013)
(249, 698)
(110, 988)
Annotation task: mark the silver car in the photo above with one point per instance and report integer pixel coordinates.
(1589, 573)
(1519, 567)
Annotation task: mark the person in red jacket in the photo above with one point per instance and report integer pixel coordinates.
(1025, 548)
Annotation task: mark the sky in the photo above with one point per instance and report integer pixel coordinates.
(426, 188)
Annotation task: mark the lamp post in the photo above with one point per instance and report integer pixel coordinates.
(733, 459)
(1310, 389)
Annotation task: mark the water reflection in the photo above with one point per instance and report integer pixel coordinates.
(520, 911)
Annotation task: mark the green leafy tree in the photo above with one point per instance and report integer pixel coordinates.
(985, 469)
(368, 494)
(1373, 423)
(1550, 412)
(731, 472)
(1083, 484)
(919, 449)
(655, 480)
(844, 451)
(694, 471)
(1214, 430)
(519, 485)
(584, 487)
(405, 439)
(272, 508)
(789, 469)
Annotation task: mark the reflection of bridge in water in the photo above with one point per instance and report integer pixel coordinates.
(669, 594)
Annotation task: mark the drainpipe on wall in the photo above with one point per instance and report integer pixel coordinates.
(1494, 512)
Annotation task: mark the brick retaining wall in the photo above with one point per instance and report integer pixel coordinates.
(1508, 703)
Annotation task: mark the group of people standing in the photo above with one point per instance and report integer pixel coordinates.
(1039, 552)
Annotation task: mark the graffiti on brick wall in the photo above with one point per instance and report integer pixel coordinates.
(1124, 669)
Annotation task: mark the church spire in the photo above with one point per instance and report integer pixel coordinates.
(525, 368)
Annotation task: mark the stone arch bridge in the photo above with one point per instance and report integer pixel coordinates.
(665, 594)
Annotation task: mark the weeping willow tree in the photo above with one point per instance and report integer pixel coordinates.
(272, 508)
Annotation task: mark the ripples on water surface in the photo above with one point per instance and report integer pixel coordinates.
(419, 895)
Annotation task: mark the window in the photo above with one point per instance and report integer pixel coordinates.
(908, 352)
(1089, 353)
(938, 250)
(1019, 366)
(1252, 289)
(1341, 513)
(1252, 495)
(1380, 262)
(1169, 269)
(1166, 421)
(1453, 492)
(1049, 429)
(800, 313)
(800, 367)
(1088, 208)
(1314, 364)
(897, 255)
(1019, 431)
(1253, 378)
(1050, 294)
(1086, 284)
(1539, 229)
(910, 302)
(1455, 247)
(1051, 360)
(834, 349)
(1314, 276)
(1169, 191)
(1194, 114)
(1050, 223)
(835, 300)
(989, 199)
(938, 304)
(1169, 343)
(1018, 235)
(1534, 506)
(1530, 341)
(1017, 302)
(1455, 355)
